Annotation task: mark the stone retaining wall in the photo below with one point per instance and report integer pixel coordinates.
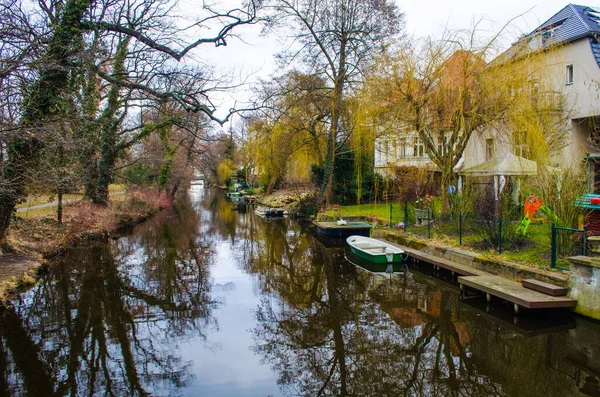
(477, 261)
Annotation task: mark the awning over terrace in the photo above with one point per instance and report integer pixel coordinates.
(507, 165)
(499, 168)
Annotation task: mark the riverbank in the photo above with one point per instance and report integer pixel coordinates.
(33, 240)
(299, 201)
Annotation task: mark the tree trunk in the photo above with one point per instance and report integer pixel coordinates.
(272, 181)
(106, 165)
(188, 159)
(327, 185)
(12, 186)
(167, 163)
(43, 102)
(59, 207)
(109, 127)
(89, 134)
(447, 180)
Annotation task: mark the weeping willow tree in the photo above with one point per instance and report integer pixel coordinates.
(280, 152)
(436, 92)
(443, 92)
(373, 117)
(290, 136)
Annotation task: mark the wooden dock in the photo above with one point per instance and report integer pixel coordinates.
(454, 267)
(531, 295)
(347, 229)
(270, 212)
(515, 293)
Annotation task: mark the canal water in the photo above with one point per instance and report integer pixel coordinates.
(210, 300)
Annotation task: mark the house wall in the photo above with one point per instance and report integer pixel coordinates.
(389, 153)
(581, 101)
(583, 96)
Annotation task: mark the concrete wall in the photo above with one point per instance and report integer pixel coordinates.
(584, 284)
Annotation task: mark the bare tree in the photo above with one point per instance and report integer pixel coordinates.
(442, 91)
(44, 56)
(337, 39)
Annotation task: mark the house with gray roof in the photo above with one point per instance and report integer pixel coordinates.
(563, 56)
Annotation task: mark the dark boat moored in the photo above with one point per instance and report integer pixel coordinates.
(343, 229)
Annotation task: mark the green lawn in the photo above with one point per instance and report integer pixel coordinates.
(381, 211)
(533, 251)
(50, 211)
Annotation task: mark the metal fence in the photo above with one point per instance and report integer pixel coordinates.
(485, 233)
(567, 242)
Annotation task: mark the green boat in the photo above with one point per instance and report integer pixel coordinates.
(373, 250)
(377, 268)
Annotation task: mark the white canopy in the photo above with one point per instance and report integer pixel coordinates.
(507, 165)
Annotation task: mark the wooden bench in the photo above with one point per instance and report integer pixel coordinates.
(375, 249)
(367, 246)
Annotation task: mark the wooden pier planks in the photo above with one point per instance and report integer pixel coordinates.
(332, 229)
(545, 288)
(457, 268)
(500, 287)
(514, 292)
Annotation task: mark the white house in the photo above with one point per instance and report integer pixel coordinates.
(566, 53)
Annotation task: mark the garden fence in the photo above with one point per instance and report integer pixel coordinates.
(553, 243)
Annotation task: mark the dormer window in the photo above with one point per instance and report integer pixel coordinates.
(546, 36)
(547, 33)
(570, 75)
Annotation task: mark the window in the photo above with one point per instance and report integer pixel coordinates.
(489, 149)
(546, 36)
(419, 147)
(511, 90)
(570, 75)
(522, 150)
(442, 144)
(402, 148)
(534, 90)
(386, 150)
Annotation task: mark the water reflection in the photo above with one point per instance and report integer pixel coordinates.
(107, 319)
(361, 336)
(197, 298)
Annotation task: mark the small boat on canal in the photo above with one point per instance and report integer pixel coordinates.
(374, 251)
(342, 228)
(265, 212)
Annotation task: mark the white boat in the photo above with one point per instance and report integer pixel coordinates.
(375, 251)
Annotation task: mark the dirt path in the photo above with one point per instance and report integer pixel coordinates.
(55, 203)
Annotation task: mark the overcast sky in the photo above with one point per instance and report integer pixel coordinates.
(253, 57)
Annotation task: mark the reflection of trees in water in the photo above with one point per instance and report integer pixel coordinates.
(340, 342)
(281, 254)
(223, 220)
(102, 321)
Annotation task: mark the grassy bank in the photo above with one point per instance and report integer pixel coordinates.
(534, 251)
(37, 237)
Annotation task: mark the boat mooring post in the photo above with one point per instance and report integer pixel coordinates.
(428, 223)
